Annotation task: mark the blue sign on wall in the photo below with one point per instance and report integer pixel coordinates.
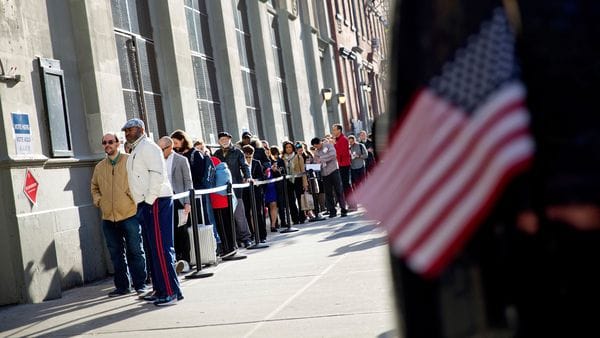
(22, 133)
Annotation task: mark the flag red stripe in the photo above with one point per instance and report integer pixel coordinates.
(445, 195)
(390, 158)
(409, 166)
(465, 189)
(457, 162)
(454, 245)
(463, 212)
(412, 170)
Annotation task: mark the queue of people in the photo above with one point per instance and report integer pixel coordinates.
(146, 230)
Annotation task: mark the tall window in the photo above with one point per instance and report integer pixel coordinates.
(137, 63)
(207, 95)
(284, 105)
(247, 64)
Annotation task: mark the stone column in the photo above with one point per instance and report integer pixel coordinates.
(175, 69)
(98, 66)
(260, 26)
(296, 75)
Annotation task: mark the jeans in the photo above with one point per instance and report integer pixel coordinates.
(333, 185)
(124, 243)
(241, 223)
(345, 180)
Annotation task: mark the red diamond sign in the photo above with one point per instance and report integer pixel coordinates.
(31, 187)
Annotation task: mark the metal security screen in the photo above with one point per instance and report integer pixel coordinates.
(247, 65)
(207, 95)
(137, 64)
(284, 105)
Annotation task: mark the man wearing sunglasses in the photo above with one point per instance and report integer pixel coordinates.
(122, 231)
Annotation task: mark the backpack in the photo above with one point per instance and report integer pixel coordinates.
(207, 169)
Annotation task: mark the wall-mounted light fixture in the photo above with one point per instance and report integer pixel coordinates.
(341, 97)
(327, 93)
(365, 87)
(11, 76)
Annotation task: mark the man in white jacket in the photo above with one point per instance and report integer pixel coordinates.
(151, 190)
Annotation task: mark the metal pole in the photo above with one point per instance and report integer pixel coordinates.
(257, 244)
(198, 273)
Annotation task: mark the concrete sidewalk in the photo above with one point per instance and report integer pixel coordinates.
(330, 279)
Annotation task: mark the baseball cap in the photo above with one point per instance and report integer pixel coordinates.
(135, 122)
(224, 134)
(246, 134)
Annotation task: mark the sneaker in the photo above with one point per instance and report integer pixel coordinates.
(118, 292)
(149, 297)
(169, 300)
(331, 215)
(179, 266)
(179, 297)
(141, 291)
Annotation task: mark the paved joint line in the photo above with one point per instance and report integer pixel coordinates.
(172, 328)
(294, 296)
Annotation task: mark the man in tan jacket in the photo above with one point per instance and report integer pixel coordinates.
(122, 231)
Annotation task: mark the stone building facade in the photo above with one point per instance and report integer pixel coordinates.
(72, 70)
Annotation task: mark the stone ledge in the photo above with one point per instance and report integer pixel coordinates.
(48, 163)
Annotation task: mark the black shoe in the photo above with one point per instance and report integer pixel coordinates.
(273, 229)
(150, 298)
(263, 241)
(332, 215)
(248, 243)
(118, 292)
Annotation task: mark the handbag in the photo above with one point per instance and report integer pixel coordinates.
(307, 202)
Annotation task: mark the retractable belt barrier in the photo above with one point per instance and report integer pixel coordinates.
(197, 194)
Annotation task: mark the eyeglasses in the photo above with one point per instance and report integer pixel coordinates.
(110, 142)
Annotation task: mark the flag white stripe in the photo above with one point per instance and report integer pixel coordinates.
(409, 172)
(391, 160)
(434, 171)
(444, 195)
(430, 252)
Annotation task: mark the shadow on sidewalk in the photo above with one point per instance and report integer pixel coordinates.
(360, 245)
(24, 318)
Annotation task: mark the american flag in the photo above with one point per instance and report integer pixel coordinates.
(464, 136)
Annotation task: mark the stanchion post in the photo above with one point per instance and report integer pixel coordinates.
(198, 273)
(287, 207)
(257, 244)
